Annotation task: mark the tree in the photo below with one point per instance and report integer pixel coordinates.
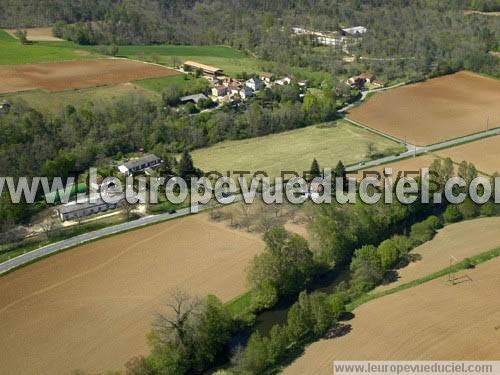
(467, 171)
(315, 170)
(366, 268)
(452, 214)
(388, 253)
(186, 168)
(22, 35)
(287, 263)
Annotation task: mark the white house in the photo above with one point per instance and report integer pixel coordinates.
(254, 83)
(246, 92)
(140, 164)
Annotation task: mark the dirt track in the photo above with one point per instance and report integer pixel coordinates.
(436, 110)
(90, 308)
(484, 154)
(433, 321)
(65, 75)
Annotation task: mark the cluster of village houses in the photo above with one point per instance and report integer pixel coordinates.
(224, 90)
(227, 90)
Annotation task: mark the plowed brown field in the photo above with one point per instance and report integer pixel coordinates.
(65, 75)
(91, 307)
(436, 110)
(484, 154)
(433, 321)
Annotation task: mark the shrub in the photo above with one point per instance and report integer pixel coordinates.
(265, 296)
(388, 253)
(452, 214)
(469, 209)
(423, 231)
(488, 209)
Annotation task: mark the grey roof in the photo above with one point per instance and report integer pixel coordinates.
(131, 164)
(195, 97)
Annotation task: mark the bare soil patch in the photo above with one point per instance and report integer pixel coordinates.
(462, 240)
(433, 321)
(91, 307)
(38, 34)
(484, 154)
(436, 110)
(65, 75)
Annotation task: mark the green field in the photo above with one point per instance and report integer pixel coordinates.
(293, 150)
(54, 102)
(229, 59)
(183, 82)
(13, 52)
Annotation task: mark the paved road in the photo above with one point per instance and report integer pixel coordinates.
(90, 236)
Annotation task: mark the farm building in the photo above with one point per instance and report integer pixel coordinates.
(206, 69)
(74, 210)
(193, 98)
(140, 164)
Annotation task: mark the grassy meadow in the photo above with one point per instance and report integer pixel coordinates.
(13, 52)
(54, 102)
(293, 150)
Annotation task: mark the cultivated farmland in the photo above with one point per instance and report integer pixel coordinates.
(91, 307)
(436, 110)
(462, 240)
(484, 154)
(38, 34)
(433, 321)
(76, 74)
(293, 150)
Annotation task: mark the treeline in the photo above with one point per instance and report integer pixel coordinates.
(416, 39)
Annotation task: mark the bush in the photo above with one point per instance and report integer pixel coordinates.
(452, 214)
(403, 244)
(469, 209)
(388, 253)
(489, 209)
(265, 296)
(423, 231)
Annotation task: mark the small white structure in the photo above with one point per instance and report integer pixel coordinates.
(283, 81)
(254, 83)
(354, 31)
(246, 92)
(140, 164)
(193, 98)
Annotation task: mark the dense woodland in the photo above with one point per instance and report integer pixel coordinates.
(425, 37)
